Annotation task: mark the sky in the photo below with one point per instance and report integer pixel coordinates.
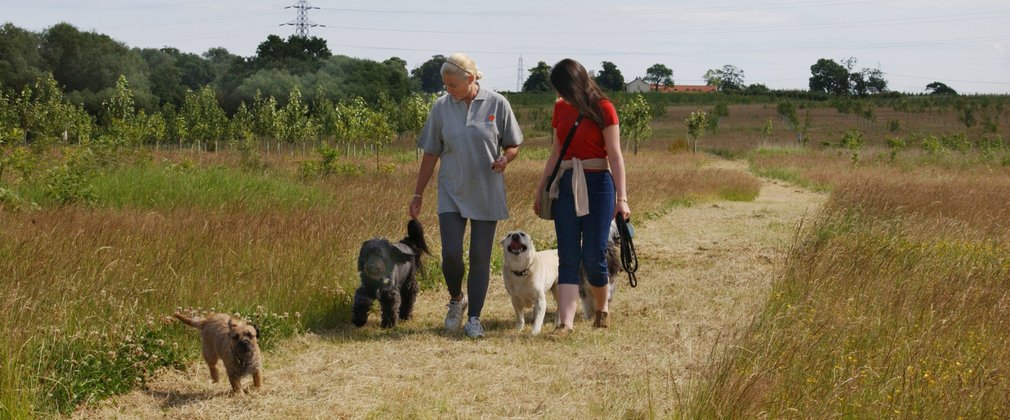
(964, 44)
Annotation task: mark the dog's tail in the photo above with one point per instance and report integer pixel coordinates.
(198, 324)
(415, 236)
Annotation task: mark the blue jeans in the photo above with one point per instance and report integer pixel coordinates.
(583, 240)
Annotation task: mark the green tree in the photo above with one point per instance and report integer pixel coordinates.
(658, 74)
(867, 81)
(205, 122)
(429, 74)
(787, 111)
(220, 60)
(195, 72)
(266, 121)
(829, 77)
(853, 141)
(88, 66)
(298, 55)
(364, 125)
(121, 118)
(940, 88)
(715, 115)
(295, 125)
(729, 77)
(408, 115)
(696, 124)
(757, 89)
(766, 131)
(539, 79)
(20, 61)
(635, 118)
(45, 116)
(610, 77)
(166, 82)
(344, 78)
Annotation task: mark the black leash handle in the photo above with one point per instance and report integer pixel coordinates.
(629, 260)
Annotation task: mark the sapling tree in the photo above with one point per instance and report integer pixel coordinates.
(696, 124)
(635, 117)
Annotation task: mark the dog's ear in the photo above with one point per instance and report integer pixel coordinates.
(256, 328)
(361, 257)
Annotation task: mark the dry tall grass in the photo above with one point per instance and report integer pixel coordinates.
(896, 305)
(80, 283)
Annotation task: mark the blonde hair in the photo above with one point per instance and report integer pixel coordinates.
(461, 65)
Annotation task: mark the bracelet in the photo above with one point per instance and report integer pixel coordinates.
(417, 195)
(624, 199)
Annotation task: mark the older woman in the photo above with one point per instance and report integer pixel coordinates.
(474, 134)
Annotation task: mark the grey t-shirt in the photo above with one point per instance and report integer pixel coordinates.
(467, 141)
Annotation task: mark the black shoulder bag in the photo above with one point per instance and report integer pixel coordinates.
(545, 194)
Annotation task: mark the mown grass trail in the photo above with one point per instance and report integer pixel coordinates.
(705, 270)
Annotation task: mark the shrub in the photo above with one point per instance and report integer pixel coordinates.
(932, 145)
(678, 145)
(67, 185)
(9, 199)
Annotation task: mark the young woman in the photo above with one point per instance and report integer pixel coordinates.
(590, 188)
(464, 131)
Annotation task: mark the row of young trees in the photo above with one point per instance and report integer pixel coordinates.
(41, 116)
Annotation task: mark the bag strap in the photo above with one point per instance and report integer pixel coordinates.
(564, 148)
(629, 260)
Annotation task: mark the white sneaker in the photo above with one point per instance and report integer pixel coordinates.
(473, 328)
(454, 316)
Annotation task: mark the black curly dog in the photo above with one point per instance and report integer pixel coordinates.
(389, 273)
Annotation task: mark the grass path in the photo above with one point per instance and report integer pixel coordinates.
(704, 271)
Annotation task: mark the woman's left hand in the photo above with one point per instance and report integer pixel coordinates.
(499, 164)
(623, 210)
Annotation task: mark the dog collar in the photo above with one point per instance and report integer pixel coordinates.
(521, 273)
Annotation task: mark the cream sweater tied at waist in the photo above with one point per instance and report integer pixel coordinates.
(579, 180)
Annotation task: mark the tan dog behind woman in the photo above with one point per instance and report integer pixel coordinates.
(529, 275)
(231, 341)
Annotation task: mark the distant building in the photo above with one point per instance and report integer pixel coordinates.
(694, 88)
(639, 85)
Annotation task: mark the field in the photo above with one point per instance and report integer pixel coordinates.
(891, 301)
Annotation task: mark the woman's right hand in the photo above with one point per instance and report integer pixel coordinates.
(414, 209)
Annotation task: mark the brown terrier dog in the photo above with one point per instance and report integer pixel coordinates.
(232, 341)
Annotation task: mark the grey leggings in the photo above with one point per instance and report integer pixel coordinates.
(482, 234)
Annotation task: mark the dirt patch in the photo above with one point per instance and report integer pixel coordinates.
(704, 271)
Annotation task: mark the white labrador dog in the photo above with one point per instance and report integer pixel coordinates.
(529, 275)
(613, 257)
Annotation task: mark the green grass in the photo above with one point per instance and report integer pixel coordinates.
(736, 193)
(791, 175)
(148, 186)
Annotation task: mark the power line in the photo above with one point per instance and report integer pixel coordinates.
(519, 75)
(612, 11)
(302, 22)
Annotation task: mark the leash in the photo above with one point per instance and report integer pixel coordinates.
(629, 260)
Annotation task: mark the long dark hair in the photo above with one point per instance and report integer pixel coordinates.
(573, 83)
